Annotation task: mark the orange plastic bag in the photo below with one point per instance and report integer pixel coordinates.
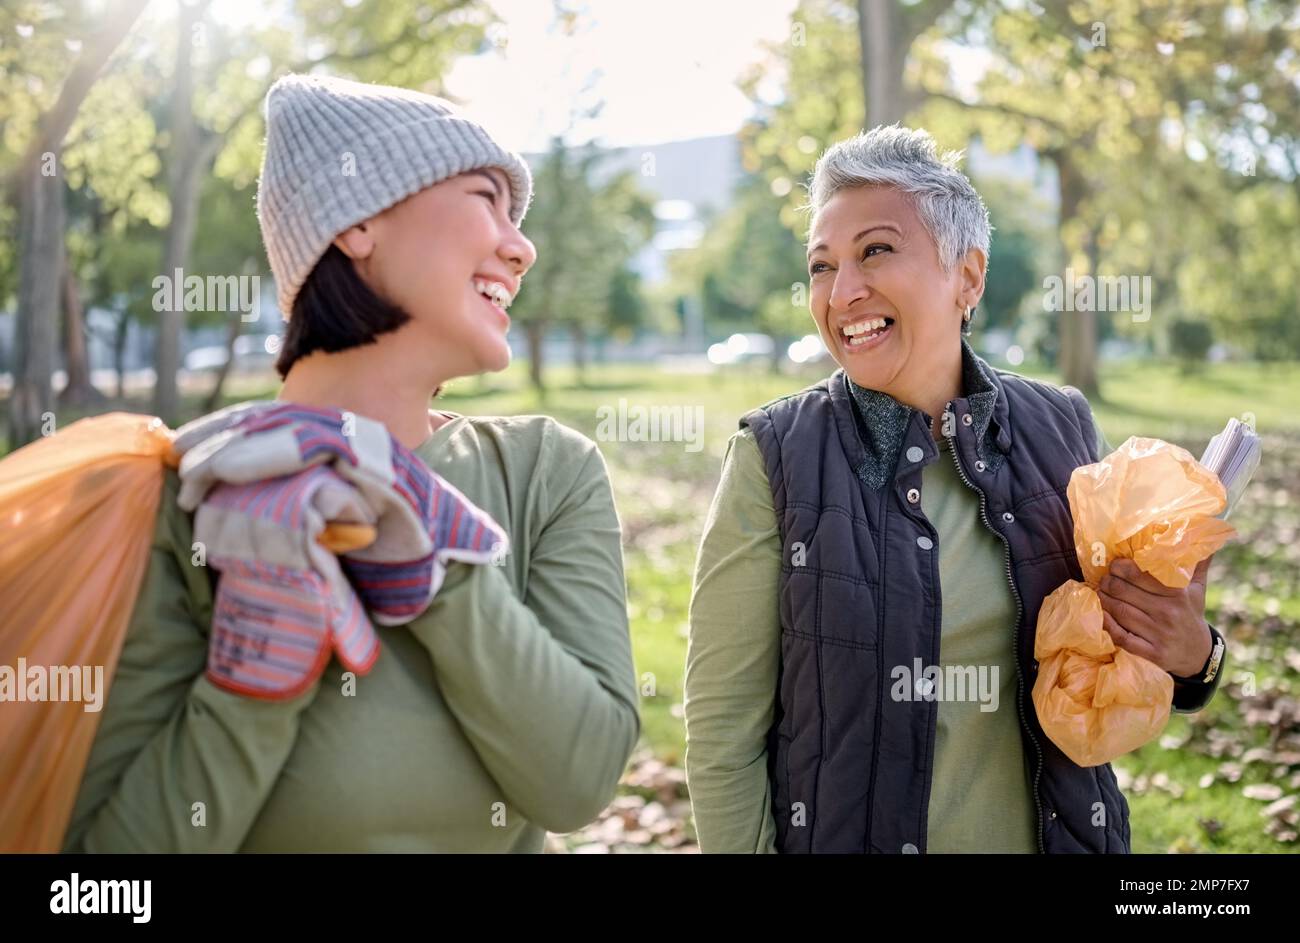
(77, 516)
(1153, 503)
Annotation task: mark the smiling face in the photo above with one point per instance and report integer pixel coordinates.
(450, 257)
(886, 309)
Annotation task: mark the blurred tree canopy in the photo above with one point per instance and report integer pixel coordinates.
(1159, 119)
(587, 226)
(1167, 130)
(161, 155)
(751, 268)
(159, 128)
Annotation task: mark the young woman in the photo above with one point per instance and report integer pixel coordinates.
(907, 513)
(508, 708)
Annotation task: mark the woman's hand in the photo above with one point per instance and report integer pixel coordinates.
(1165, 626)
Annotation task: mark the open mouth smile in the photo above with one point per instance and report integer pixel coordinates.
(866, 333)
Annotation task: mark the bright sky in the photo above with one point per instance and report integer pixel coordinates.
(665, 70)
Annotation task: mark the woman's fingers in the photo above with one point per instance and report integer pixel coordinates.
(1126, 572)
(1136, 609)
(1133, 644)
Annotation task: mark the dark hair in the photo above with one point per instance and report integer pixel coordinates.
(335, 310)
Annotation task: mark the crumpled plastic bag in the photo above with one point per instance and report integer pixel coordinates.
(1153, 503)
(77, 511)
(77, 514)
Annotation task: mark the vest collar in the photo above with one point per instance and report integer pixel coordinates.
(881, 421)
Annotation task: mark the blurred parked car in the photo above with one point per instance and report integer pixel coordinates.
(808, 349)
(742, 348)
(252, 352)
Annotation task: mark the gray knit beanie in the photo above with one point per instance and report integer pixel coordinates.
(339, 152)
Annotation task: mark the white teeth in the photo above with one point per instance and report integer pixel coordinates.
(495, 292)
(861, 327)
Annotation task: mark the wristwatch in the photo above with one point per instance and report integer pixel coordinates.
(1211, 669)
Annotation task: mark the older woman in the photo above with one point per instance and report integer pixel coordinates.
(907, 512)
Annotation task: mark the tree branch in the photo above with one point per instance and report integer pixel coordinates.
(52, 127)
(999, 109)
(916, 20)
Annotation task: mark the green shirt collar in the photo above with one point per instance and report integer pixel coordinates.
(884, 420)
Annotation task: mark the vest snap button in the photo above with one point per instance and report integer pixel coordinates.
(910, 849)
(913, 495)
(915, 454)
(966, 419)
(979, 466)
(1008, 517)
(925, 543)
(1053, 815)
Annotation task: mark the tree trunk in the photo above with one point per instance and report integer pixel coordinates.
(41, 260)
(40, 232)
(1078, 329)
(886, 31)
(79, 391)
(1079, 351)
(184, 181)
(534, 331)
(234, 326)
(883, 52)
(120, 336)
(579, 334)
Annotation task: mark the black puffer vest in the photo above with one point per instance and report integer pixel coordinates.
(850, 766)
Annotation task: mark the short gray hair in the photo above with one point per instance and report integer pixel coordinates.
(909, 161)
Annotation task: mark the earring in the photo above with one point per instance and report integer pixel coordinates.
(966, 317)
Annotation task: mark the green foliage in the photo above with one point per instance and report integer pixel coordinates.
(1242, 274)
(111, 153)
(1160, 119)
(410, 43)
(1020, 251)
(627, 308)
(586, 226)
(751, 271)
(114, 159)
(819, 100)
(1169, 126)
(1190, 341)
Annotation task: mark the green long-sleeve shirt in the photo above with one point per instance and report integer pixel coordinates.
(506, 710)
(980, 798)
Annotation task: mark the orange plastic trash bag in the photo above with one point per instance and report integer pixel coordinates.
(77, 517)
(1153, 503)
